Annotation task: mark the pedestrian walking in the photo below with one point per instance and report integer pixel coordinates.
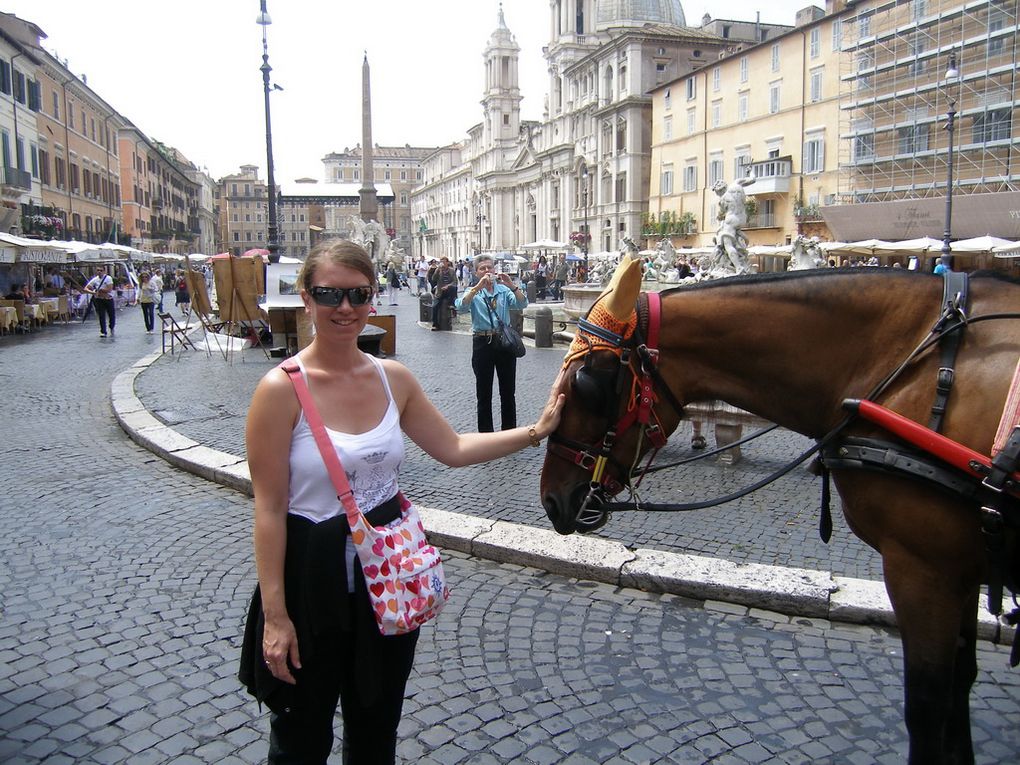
(101, 287)
(560, 273)
(393, 281)
(147, 300)
(157, 288)
(422, 271)
(181, 294)
(311, 638)
(490, 301)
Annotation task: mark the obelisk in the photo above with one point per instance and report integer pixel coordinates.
(369, 206)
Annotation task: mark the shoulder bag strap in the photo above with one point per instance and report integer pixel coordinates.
(326, 448)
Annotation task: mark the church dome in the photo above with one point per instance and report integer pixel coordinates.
(627, 13)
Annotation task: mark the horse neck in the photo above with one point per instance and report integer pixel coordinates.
(789, 350)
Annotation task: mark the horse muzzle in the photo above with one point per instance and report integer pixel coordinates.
(582, 510)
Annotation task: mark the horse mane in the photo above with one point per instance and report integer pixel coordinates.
(829, 273)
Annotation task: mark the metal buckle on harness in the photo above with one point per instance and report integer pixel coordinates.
(585, 460)
(945, 378)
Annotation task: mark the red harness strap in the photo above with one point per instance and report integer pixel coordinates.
(936, 444)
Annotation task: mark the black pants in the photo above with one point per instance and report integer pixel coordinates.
(305, 735)
(105, 309)
(486, 358)
(446, 297)
(148, 314)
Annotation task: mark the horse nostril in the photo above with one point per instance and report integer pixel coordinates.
(562, 519)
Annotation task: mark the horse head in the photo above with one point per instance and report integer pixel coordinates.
(588, 458)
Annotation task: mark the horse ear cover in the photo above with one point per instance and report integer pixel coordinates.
(622, 292)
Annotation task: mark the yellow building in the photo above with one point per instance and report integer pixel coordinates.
(842, 123)
(770, 110)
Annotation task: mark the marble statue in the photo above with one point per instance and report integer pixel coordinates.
(371, 235)
(730, 255)
(806, 254)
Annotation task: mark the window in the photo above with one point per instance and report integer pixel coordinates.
(235, 217)
(75, 180)
(34, 150)
(667, 128)
(864, 63)
(667, 100)
(716, 79)
(690, 121)
(996, 21)
(692, 88)
(912, 139)
(34, 96)
(716, 113)
(816, 84)
(20, 90)
(5, 76)
(775, 57)
(916, 48)
(815, 42)
(774, 96)
(237, 236)
(44, 166)
(56, 106)
(837, 34)
(918, 9)
(666, 181)
(742, 107)
(741, 163)
(863, 26)
(386, 175)
(690, 177)
(621, 187)
(715, 169)
(743, 69)
(864, 147)
(87, 183)
(814, 154)
(993, 125)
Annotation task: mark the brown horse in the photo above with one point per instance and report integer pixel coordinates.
(791, 348)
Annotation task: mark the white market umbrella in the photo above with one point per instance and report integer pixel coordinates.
(984, 243)
(1011, 250)
(914, 246)
(546, 244)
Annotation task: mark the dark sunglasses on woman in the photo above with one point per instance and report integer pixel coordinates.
(333, 296)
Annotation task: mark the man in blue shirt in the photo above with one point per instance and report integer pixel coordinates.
(490, 299)
(943, 265)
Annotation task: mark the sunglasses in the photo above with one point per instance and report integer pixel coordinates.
(333, 296)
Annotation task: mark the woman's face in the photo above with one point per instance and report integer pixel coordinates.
(343, 320)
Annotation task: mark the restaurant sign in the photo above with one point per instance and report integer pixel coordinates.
(38, 255)
(7, 255)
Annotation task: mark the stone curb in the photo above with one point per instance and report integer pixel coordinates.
(756, 587)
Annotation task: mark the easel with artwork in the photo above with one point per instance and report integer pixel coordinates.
(239, 284)
(201, 305)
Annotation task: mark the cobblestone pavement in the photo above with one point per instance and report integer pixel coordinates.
(206, 399)
(123, 585)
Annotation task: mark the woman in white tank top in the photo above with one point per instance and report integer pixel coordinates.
(311, 639)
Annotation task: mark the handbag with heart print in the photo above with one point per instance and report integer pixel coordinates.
(403, 572)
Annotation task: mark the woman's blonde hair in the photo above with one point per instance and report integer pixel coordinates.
(340, 253)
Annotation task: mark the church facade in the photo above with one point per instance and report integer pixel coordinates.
(586, 164)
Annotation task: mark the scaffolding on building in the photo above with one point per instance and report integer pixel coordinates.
(894, 99)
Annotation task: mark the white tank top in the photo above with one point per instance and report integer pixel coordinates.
(371, 460)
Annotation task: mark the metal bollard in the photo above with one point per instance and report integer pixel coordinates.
(543, 327)
(532, 291)
(446, 317)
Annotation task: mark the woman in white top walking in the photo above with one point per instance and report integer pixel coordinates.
(311, 638)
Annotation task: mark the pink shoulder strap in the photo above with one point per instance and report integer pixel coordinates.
(326, 448)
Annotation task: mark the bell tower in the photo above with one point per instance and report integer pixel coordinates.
(501, 102)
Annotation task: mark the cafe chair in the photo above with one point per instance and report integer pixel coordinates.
(178, 334)
(21, 325)
(63, 308)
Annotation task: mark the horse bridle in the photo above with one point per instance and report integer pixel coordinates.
(638, 354)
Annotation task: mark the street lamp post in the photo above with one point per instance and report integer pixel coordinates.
(952, 73)
(264, 21)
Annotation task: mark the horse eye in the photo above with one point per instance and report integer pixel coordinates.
(589, 390)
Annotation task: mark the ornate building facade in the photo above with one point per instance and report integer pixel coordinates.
(514, 181)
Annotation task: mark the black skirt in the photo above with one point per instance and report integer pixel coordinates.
(318, 603)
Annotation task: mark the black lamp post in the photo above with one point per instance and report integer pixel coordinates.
(952, 73)
(273, 246)
(584, 198)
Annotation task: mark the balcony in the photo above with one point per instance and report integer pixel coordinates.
(18, 179)
(771, 176)
(761, 220)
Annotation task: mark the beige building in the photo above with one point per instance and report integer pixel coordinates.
(78, 156)
(769, 110)
(841, 122)
(160, 204)
(243, 212)
(399, 168)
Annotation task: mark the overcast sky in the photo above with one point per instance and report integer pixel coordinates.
(187, 72)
